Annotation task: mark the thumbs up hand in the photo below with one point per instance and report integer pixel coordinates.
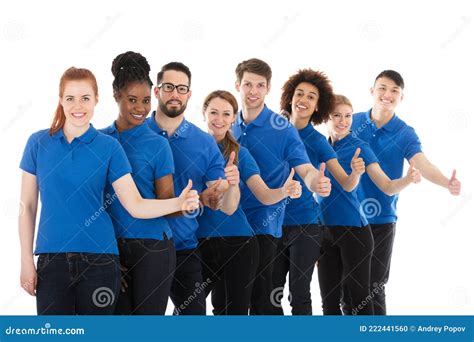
(454, 185)
(188, 199)
(357, 163)
(231, 171)
(323, 187)
(292, 187)
(413, 173)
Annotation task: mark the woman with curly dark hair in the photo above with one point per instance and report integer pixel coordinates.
(307, 100)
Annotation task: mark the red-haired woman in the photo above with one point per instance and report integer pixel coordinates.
(69, 165)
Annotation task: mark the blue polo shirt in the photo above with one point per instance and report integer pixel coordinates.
(196, 157)
(276, 147)
(215, 223)
(151, 158)
(391, 143)
(342, 208)
(71, 179)
(305, 210)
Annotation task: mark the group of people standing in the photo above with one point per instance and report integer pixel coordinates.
(262, 196)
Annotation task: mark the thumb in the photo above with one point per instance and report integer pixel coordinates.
(356, 154)
(216, 184)
(453, 176)
(231, 159)
(188, 187)
(290, 177)
(322, 168)
(412, 164)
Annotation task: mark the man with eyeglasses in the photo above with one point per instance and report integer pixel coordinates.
(196, 157)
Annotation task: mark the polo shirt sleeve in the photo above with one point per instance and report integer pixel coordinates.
(216, 164)
(28, 161)
(294, 151)
(247, 164)
(412, 143)
(163, 160)
(367, 154)
(119, 165)
(326, 152)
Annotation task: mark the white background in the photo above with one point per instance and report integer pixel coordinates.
(429, 43)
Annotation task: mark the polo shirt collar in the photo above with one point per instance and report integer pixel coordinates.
(307, 130)
(86, 138)
(389, 126)
(180, 132)
(259, 121)
(340, 141)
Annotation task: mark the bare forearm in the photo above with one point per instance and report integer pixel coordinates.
(26, 225)
(434, 175)
(394, 187)
(350, 182)
(141, 208)
(231, 200)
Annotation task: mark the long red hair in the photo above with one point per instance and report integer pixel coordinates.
(71, 74)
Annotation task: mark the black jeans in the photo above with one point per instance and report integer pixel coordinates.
(229, 265)
(384, 235)
(149, 268)
(188, 289)
(298, 250)
(345, 260)
(261, 302)
(77, 283)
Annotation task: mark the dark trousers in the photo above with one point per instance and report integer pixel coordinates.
(77, 283)
(149, 268)
(298, 250)
(229, 265)
(188, 289)
(345, 260)
(384, 235)
(261, 302)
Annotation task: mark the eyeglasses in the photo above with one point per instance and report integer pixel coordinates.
(169, 87)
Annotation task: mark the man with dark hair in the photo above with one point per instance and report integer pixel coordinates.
(197, 157)
(392, 141)
(275, 145)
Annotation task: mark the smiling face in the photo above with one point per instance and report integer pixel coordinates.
(387, 94)
(173, 104)
(219, 116)
(78, 102)
(340, 121)
(252, 88)
(134, 102)
(304, 101)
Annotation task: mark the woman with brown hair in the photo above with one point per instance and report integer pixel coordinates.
(227, 243)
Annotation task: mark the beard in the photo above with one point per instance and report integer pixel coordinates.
(171, 113)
